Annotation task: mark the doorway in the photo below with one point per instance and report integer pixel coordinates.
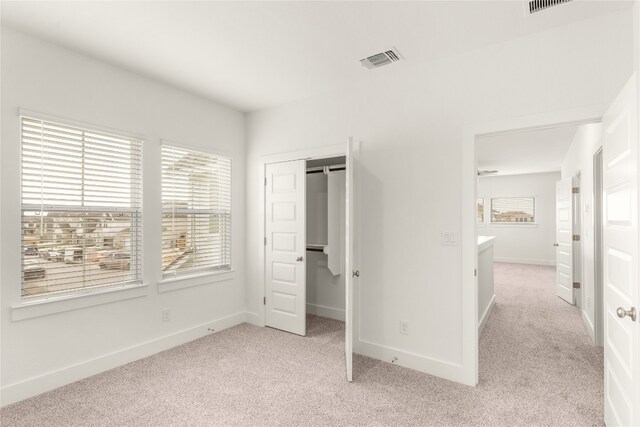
(309, 207)
(620, 254)
(305, 235)
(534, 214)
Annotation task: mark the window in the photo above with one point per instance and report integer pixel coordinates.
(513, 209)
(196, 212)
(480, 210)
(81, 202)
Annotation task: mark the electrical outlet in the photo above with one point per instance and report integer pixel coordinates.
(404, 327)
(166, 315)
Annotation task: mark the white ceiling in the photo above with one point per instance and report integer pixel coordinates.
(533, 151)
(254, 55)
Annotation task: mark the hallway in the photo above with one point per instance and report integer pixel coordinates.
(536, 349)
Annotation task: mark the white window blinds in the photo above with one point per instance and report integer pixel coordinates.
(81, 208)
(196, 211)
(513, 209)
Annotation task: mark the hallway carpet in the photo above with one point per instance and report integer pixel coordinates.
(537, 367)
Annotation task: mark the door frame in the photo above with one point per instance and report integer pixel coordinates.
(566, 244)
(598, 274)
(306, 154)
(469, 229)
(578, 247)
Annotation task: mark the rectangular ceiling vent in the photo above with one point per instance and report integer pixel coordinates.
(540, 5)
(381, 59)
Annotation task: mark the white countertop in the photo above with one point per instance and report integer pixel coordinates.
(484, 242)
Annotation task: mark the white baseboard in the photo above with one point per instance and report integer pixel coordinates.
(418, 362)
(324, 311)
(42, 383)
(253, 318)
(590, 327)
(486, 314)
(533, 261)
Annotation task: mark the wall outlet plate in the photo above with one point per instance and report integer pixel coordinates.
(449, 238)
(166, 315)
(404, 327)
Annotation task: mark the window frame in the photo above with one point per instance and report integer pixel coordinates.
(484, 216)
(70, 299)
(199, 275)
(512, 223)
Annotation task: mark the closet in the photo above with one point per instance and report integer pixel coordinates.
(305, 242)
(311, 239)
(325, 237)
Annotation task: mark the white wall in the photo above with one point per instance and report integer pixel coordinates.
(522, 243)
(411, 126)
(579, 158)
(44, 352)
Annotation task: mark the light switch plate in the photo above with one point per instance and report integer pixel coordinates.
(449, 238)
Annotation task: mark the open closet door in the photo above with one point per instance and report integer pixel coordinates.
(352, 249)
(564, 240)
(620, 260)
(285, 246)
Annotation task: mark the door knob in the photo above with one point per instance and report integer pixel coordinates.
(299, 259)
(622, 313)
(556, 244)
(355, 273)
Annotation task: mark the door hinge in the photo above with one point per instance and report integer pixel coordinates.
(575, 190)
(265, 240)
(265, 182)
(576, 285)
(475, 273)
(576, 237)
(264, 300)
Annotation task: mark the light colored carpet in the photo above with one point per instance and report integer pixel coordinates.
(537, 367)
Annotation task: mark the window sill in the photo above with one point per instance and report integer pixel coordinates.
(196, 279)
(506, 224)
(45, 306)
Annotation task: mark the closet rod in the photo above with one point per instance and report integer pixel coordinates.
(331, 169)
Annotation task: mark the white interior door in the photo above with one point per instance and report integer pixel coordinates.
(620, 260)
(352, 245)
(285, 246)
(564, 240)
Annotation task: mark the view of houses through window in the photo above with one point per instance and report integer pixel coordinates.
(513, 209)
(81, 204)
(196, 211)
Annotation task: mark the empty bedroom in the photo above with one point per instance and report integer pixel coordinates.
(319, 213)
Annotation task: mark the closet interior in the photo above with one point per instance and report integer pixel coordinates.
(325, 236)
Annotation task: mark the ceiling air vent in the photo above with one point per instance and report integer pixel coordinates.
(539, 5)
(381, 59)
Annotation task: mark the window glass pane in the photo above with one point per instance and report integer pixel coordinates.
(513, 209)
(81, 201)
(196, 211)
(480, 204)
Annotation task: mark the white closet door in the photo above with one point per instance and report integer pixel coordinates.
(564, 240)
(352, 251)
(286, 246)
(620, 261)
